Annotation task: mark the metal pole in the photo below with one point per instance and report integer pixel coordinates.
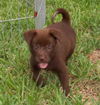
(39, 13)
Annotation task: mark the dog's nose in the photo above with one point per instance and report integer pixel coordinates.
(42, 58)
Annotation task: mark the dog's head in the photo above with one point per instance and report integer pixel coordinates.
(42, 45)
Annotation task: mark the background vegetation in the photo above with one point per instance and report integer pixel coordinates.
(16, 85)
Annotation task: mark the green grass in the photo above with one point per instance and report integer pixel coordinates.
(16, 85)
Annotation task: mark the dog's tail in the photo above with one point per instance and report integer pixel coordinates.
(65, 15)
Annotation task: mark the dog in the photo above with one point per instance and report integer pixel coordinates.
(51, 47)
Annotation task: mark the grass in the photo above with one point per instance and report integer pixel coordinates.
(16, 85)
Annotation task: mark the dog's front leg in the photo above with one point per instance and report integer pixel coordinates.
(36, 73)
(37, 76)
(62, 73)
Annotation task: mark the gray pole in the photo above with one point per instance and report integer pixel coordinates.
(39, 13)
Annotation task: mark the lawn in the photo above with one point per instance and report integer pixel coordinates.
(16, 85)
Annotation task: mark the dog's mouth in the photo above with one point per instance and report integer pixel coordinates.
(43, 65)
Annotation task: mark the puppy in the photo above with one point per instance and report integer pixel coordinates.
(51, 48)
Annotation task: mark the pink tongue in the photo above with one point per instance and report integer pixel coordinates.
(43, 65)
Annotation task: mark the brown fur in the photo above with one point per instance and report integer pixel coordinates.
(51, 47)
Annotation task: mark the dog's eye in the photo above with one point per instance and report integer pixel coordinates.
(36, 46)
(49, 47)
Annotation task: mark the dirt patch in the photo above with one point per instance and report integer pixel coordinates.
(89, 89)
(94, 56)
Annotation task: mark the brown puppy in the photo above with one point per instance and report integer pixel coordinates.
(51, 47)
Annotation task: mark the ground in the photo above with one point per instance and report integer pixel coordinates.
(16, 84)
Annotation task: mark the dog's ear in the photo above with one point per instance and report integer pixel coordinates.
(29, 35)
(55, 33)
